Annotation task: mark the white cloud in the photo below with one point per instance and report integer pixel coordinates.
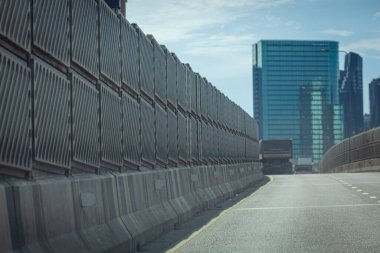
(257, 4)
(377, 14)
(336, 32)
(175, 21)
(212, 35)
(364, 46)
(220, 43)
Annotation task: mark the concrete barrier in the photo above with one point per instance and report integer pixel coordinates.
(97, 216)
(45, 218)
(144, 205)
(111, 212)
(182, 197)
(6, 210)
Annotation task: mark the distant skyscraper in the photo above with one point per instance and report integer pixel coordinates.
(374, 102)
(296, 95)
(367, 121)
(351, 94)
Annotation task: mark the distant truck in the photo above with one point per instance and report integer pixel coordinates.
(304, 165)
(276, 155)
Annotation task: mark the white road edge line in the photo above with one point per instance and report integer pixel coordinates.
(304, 207)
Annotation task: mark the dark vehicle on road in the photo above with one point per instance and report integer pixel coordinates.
(276, 155)
(304, 166)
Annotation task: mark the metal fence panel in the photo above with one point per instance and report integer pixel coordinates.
(130, 56)
(218, 105)
(131, 129)
(210, 101)
(161, 133)
(15, 108)
(85, 35)
(51, 30)
(51, 115)
(181, 85)
(194, 139)
(15, 22)
(85, 121)
(111, 125)
(172, 136)
(147, 132)
(205, 141)
(204, 97)
(171, 75)
(146, 63)
(199, 140)
(192, 90)
(110, 56)
(159, 60)
(182, 137)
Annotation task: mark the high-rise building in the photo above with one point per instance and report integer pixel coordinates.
(296, 95)
(374, 102)
(351, 94)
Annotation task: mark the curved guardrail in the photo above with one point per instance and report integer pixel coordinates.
(358, 153)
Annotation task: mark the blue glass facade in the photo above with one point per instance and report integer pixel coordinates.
(296, 95)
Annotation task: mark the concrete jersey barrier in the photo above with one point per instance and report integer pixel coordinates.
(111, 212)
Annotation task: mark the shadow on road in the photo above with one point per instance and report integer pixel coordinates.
(184, 231)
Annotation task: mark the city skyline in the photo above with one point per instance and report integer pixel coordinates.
(215, 36)
(296, 94)
(351, 94)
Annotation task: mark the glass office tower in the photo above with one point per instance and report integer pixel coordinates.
(296, 95)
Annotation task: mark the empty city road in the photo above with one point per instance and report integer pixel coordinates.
(298, 213)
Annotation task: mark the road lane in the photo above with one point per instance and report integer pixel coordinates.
(301, 213)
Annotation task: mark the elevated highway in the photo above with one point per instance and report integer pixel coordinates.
(296, 213)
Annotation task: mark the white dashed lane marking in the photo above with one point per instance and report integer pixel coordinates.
(358, 190)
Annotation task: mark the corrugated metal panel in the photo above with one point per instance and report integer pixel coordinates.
(51, 115)
(85, 121)
(218, 106)
(161, 133)
(205, 141)
(130, 55)
(204, 97)
(51, 30)
(110, 56)
(222, 112)
(210, 100)
(15, 108)
(111, 125)
(84, 35)
(171, 75)
(147, 132)
(159, 70)
(15, 22)
(181, 85)
(194, 139)
(146, 63)
(182, 137)
(192, 90)
(199, 140)
(172, 136)
(131, 129)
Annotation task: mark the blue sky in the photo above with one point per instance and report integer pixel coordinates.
(215, 36)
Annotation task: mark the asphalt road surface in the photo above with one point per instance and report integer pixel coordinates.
(297, 213)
